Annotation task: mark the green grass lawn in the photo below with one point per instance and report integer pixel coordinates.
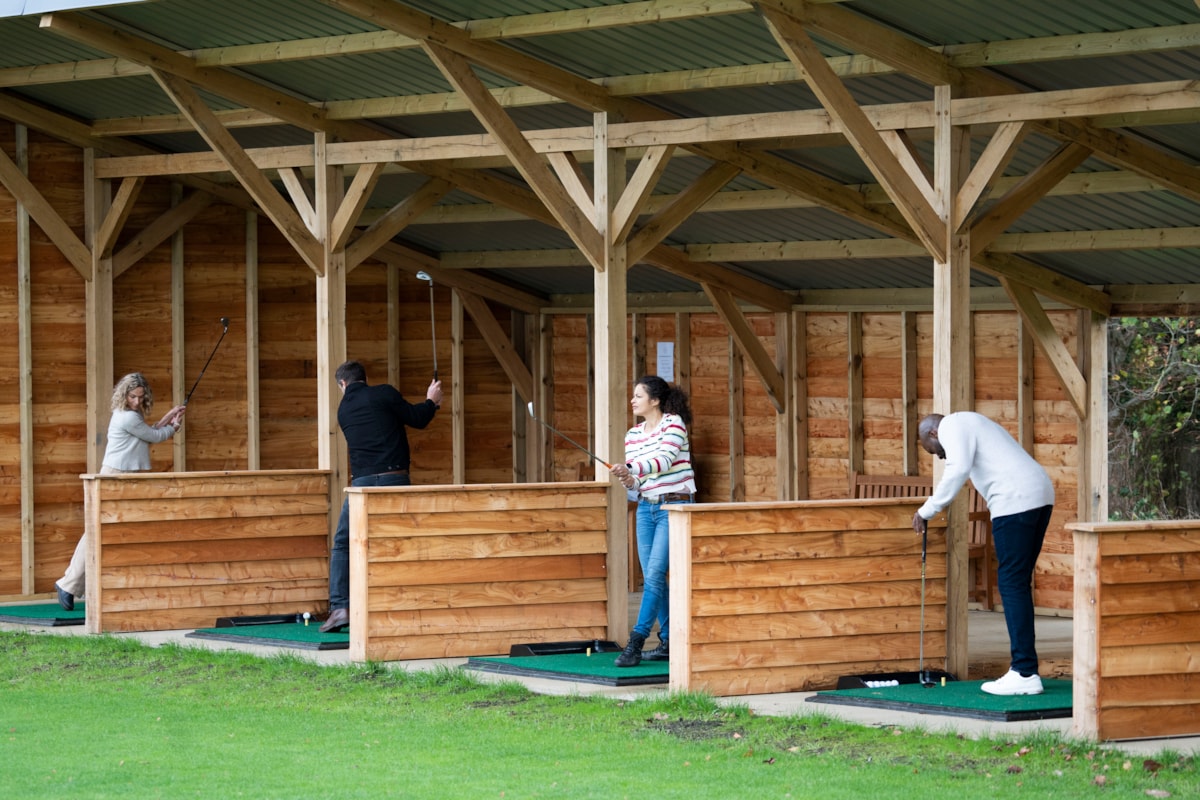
(98, 717)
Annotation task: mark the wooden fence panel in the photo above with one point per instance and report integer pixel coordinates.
(784, 597)
(453, 571)
(178, 550)
(1137, 629)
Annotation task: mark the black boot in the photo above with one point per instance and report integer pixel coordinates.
(660, 653)
(631, 656)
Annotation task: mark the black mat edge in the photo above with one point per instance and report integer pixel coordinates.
(503, 669)
(45, 622)
(228, 637)
(946, 711)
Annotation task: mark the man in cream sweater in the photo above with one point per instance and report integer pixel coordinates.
(1020, 498)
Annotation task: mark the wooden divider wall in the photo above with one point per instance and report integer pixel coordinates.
(452, 571)
(168, 552)
(1136, 670)
(783, 597)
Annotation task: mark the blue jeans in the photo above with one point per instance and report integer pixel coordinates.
(1018, 541)
(654, 555)
(339, 557)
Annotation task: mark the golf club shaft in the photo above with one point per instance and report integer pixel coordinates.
(205, 367)
(568, 439)
(924, 549)
(433, 329)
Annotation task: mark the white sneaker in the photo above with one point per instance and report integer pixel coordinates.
(1012, 683)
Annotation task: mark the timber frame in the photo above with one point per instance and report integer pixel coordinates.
(944, 174)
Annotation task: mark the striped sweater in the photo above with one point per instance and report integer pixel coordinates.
(660, 459)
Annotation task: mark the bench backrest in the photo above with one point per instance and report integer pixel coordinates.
(868, 486)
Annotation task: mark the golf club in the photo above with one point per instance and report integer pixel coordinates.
(225, 324)
(552, 429)
(923, 675)
(425, 276)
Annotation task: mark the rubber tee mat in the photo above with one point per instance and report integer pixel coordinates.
(579, 667)
(279, 634)
(49, 614)
(958, 699)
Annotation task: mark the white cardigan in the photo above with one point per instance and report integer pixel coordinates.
(982, 450)
(129, 440)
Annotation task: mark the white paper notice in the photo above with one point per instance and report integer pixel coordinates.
(666, 361)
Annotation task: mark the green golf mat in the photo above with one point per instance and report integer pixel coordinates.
(580, 667)
(49, 614)
(958, 699)
(279, 634)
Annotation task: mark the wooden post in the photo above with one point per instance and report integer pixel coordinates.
(25, 372)
(331, 330)
(98, 313)
(951, 359)
(253, 418)
(611, 338)
(179, 384)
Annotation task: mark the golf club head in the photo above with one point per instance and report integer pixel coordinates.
(225, 323)
(422, 275)
(530, 407)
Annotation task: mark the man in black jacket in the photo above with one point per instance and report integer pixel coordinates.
(372, 419)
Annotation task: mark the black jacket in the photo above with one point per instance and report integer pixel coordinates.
(372, 419)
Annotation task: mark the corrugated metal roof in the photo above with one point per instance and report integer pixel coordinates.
(706, 44)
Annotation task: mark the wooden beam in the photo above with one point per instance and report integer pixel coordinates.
(576, 184)
(1023, 196)
(410, 261)
(749, 345)
(118, 212)
(157, 232)
(40, 210)
(1047, 338)
(269, 200)
(661, 224)
(637, 192)
(533, 169)
(161, 60)
(357, 195)
(395, 220)
(705, 273)
(500, 345)
(908, 194)
(996, 155)
(301, 194)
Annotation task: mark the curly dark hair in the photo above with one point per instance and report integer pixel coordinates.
(671, 399)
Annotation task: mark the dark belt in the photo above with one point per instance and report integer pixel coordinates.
(673, 497)
(373, 474)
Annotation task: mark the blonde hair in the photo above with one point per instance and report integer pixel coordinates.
(120, 397)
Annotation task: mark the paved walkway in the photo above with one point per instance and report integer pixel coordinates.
(988, 650)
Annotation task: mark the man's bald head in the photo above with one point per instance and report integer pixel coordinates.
(927, 434)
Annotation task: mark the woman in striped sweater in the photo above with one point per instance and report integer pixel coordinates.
(657, 471)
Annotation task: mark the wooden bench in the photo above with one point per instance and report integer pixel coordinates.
(981, 553)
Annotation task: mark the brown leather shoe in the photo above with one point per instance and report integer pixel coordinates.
(338, 618)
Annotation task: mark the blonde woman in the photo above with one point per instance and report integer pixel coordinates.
(128, 450)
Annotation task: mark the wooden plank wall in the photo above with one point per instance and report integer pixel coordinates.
(59, 396)
(438, 572)
(783, 597)
(169, 552)
(1136, 670)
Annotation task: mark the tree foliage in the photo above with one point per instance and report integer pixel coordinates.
(1154, 426)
